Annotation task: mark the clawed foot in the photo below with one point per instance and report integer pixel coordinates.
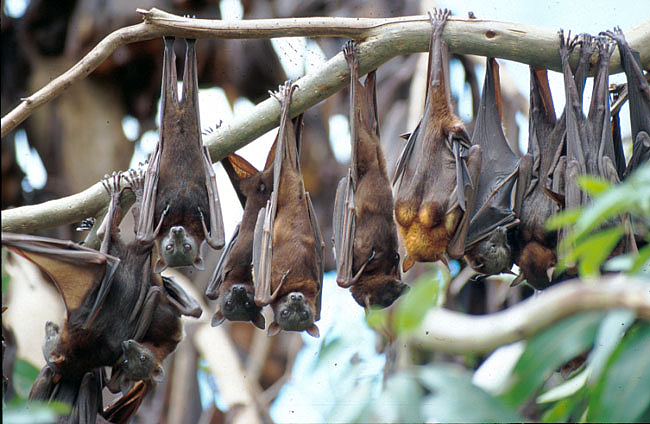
(135, 179)
(111, 184)
(86, 224)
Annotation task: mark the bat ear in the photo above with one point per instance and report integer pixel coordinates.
(517, 280)
(407, 263)
(158, 373)
(259, 321)
(160, 266)
(274, 329)
(198, 263)
(312, 330)
(405, 136)
(218, 317)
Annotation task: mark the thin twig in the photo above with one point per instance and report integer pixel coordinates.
(455, 332)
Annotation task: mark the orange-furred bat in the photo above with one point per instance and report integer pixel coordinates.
(288, 245)
(365, 237)
(437, 173)
(181, 207)
(232, 281)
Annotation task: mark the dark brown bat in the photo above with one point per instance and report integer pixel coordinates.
(180, 188)
(288, 245)
(365, 237)
(541, 181)
(108, 301)
(232, 281)
(486, 246)
(639, 100)
(437, 173)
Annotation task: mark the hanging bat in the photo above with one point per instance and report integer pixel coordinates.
(639, 98)
(180, 188)
(437, 173)
(288, 245)
(542, 178)
(365, 237)
(108, 301)
(486, 246)
(232, 281)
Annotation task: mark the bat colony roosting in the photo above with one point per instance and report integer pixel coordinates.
(455, 196)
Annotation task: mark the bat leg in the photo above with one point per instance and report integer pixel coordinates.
(136, 181)
(344, 230)
(215, 237)
(186, 304)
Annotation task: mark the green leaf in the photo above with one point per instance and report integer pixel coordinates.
(609, 334)
(548, 351)
(455, 399)
(563, 219)
(422, 296)
(566, 389)
(564, 409)
(642, 262)
(623, 394)
(595, 249)
(24, 375)
(593, 185)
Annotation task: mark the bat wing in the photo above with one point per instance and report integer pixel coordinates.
(238, 169)
(405, 156)
(219, 275)
(319, 246)
(77, 271)
(125, 406)
(263, 255)
(177, 295)
(492, 203)
(344, 226)
(216, 236)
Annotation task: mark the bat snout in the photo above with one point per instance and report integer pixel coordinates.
(239, 304)
(295, 313)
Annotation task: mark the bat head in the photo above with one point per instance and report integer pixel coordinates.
(52, 338)
(238, 304)
(493, 254)
(378, 290)
(179, 248)
(535, 261)
(294, 312)
(139, 363)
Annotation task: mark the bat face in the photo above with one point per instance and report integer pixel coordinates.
(238, 304)
(378, 290)
(294, 312)
(180, 248)
(437, 171)
(138, 362)
(492, 255)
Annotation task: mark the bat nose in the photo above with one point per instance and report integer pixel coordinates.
(126, 344)
(239, 289)
(177, 230)
(296, 297)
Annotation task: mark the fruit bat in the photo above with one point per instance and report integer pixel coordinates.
(486, 246)
(639, 100)
(540, 185)
(288, 245)
(111, 296)
(365, 237)
(180, 188)
(232, 281)
(437, 172)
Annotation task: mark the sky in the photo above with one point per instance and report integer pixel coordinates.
(317, 380)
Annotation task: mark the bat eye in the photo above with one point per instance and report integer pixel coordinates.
(493, 247)
(303, 314)
(187, 246)
(169, 247)
(262, 188)
(248, 304)
(285, 313)
(142, 358)
(125, 362)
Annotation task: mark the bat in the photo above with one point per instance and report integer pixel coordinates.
(111, 296)
(180, 187)
(639, 98)
(437, 172)
(232, 281)
(288, 245)
(486, 246)
(365, 236)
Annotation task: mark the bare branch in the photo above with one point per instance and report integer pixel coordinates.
(384, 39)
(455, 332)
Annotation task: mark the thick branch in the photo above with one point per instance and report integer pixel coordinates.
(455, 332)
(384, 39)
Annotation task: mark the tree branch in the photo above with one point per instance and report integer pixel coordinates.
(383, 40)
(455, 332)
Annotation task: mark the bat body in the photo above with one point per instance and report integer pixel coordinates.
(232, 281)
(181, 207)
(541, 182)
(486, 246)
(135, 304)
(288, 246)
(639, 98)
(437, 172)
(365, 234)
